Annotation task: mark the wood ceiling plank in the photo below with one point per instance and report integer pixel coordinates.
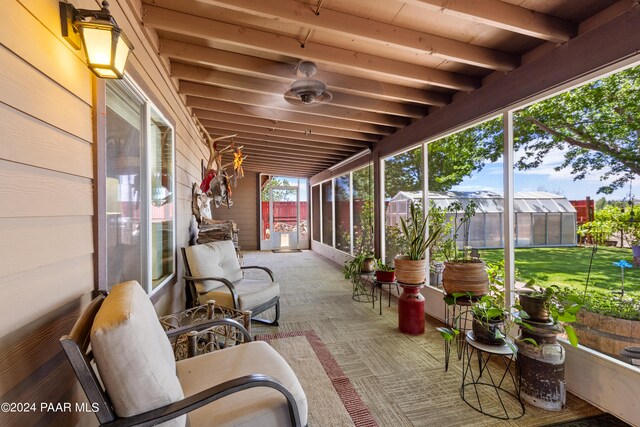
(387, 35)
(279, 103)
(233, 81)
(286, 153)
(505, 16)
(311, 145)
(288, 159)
(195, 26)
(277, 133)
(273, 125)
(286, 116)
(278, 71)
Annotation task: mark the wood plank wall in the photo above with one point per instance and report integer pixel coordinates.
(244, 211)
(46, 194)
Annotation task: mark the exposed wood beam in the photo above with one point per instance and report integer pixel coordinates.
(279, 170)
(168, 20)
(278, 102)
(268, 87)
(311, 146)
(289, 160)
(278, 71)
(268, 166)
(263, 147)
(387, 35)
(302, 118)
(275, 125)
(312, 139)
(614, 41)
(504, 15)
(312, 151)
(287, 163)
(285, 154)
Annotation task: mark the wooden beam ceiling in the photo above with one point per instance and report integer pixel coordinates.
(392, 66)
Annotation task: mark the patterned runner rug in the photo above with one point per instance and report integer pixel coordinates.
(332, 398)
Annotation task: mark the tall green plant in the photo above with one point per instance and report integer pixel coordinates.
(414, 231)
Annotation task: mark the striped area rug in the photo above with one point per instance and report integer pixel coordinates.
(332, 398)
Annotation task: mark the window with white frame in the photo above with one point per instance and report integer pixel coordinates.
(140, 205)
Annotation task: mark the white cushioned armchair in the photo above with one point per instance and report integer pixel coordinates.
(214, 273)
(248, 384)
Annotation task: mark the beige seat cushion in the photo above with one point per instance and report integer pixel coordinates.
(254, 407)
(215, 259)
(251, 293)
(133, 355)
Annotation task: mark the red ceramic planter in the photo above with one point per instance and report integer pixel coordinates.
(411, 310)
(385, 276)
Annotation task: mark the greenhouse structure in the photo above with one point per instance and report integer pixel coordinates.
(541, 218)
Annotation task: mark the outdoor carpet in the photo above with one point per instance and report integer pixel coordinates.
(332, 398)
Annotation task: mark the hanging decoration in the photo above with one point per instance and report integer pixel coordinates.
(216, 182)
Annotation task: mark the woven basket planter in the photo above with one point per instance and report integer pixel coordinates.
(411, 272)
(465, 276)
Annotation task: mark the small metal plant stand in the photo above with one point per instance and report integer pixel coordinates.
(378, 284)
(459, 313)
(492, 389)
(360, 292)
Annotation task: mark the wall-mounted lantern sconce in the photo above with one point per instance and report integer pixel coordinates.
(105, 45)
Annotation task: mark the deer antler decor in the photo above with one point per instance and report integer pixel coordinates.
(216, 182)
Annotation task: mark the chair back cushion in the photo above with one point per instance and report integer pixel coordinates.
(214, 259)
(133, 354)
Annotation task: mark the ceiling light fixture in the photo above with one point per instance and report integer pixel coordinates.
(308, 90)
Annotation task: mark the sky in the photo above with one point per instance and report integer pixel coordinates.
(544, 178)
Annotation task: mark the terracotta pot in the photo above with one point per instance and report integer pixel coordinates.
(485, 332)
(411, 272)
(465, 276)
(385, 276)
(536, 308)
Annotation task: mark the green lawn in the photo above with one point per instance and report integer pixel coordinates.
(570, 265)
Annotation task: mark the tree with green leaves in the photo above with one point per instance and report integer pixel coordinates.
(596, 126)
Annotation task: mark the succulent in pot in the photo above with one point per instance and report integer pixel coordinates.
(411, 268)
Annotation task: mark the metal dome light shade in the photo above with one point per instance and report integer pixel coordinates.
(308, 91)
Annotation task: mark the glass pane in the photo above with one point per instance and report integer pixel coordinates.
(285, 218)
(303, 195)
(343, 213)
(403, 183)
(569, 236)
(363, 210)
(162, 199)
(523, 227)
(564, 176)
(315, 206)
(327, 214)
(554, 233)
(539, 229)
(123, 198)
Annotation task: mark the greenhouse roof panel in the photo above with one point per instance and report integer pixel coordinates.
(491, 202)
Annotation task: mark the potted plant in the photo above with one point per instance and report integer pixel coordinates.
(363, 262)
(411, 268)
(491, 321)
(384, 272)
(546, 306)
(462, 273)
